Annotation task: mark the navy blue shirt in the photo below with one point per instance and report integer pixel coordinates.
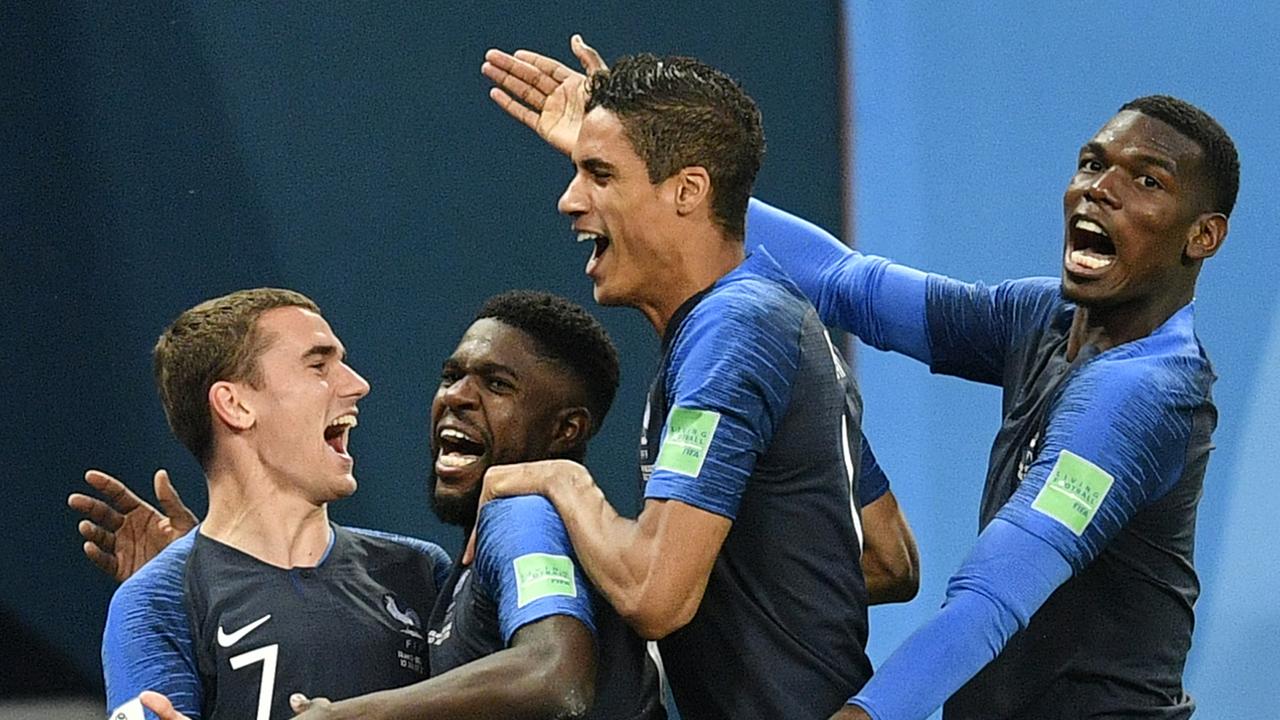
(753, 416)
(225, 635)
(525, 571)
(1082, 579)
(1138, 418)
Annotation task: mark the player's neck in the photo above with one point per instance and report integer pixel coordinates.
(711, 259)
(261, 518)
(1105, 327)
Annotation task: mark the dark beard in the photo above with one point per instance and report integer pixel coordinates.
(453, 510)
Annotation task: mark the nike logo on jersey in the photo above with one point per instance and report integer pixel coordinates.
(226, 639)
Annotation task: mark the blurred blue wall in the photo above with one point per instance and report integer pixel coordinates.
(968, 117)
(157, 154)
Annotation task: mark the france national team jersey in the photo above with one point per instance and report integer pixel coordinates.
(1103, 458)
(525, 571)
(753, 416)
(1082, 579)
(225, 635)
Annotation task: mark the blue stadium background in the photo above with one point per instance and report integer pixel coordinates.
(156, 154)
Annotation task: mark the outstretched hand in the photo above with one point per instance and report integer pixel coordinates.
(542, 92)
(124, 531)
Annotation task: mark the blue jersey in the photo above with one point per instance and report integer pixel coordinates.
(1102, 458)
(1082, 579)
(525, 571)
(225, 635)
(754, 417)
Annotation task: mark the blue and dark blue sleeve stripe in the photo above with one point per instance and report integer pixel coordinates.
(880, 302)
(148, 643)
(735, 356)
(1133, 420)
(518, 537)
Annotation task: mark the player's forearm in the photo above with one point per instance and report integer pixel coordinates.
(1007, 577)
(624, 562)
(890, 560)
(519, 682)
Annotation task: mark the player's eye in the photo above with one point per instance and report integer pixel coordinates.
(1149, 182)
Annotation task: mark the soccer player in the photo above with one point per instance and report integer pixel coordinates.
(255, 384)
(743, 563)
(1077, 597)
(1088, 511)
(518, 633)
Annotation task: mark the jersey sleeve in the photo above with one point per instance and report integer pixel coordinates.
(526, 563)
(1007, 577)
(972, 326)
(872, 482)
(957, 328)
(1116, 440)
(148, 644)
(881, 302)
(729, 385)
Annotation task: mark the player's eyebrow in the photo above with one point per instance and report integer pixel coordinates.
(323, 351)
(596, 165)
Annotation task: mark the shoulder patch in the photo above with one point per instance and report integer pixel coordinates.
(686, 441)
(540, 575)
(1074, 492)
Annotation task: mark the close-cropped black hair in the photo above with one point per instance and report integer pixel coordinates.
(679, 112)
(1222, 163)
(566, 333)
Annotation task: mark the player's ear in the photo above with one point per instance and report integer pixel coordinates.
(572, 430)
(231, 406)
(1206, 236)
(692, 189)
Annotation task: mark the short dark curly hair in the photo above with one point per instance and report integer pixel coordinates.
(679, 112)
(566, 333)
(1222, 163)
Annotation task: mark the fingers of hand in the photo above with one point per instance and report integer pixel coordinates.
(160, 705)
(516, 85)
(181, 516)
(97, 535)
(120, 497)
(96, 510)
(513, 108)
(105, 561)
(547, 66)
(591, 60)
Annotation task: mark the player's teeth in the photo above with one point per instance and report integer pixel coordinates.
(1093, 262)
(1090, 226)
(347, 420)
(455, 460)
(452, 434)
(586, 236)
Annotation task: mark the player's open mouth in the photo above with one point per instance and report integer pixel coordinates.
(602, 244)
(1090, 250)
(457, 449)
(338, 432)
